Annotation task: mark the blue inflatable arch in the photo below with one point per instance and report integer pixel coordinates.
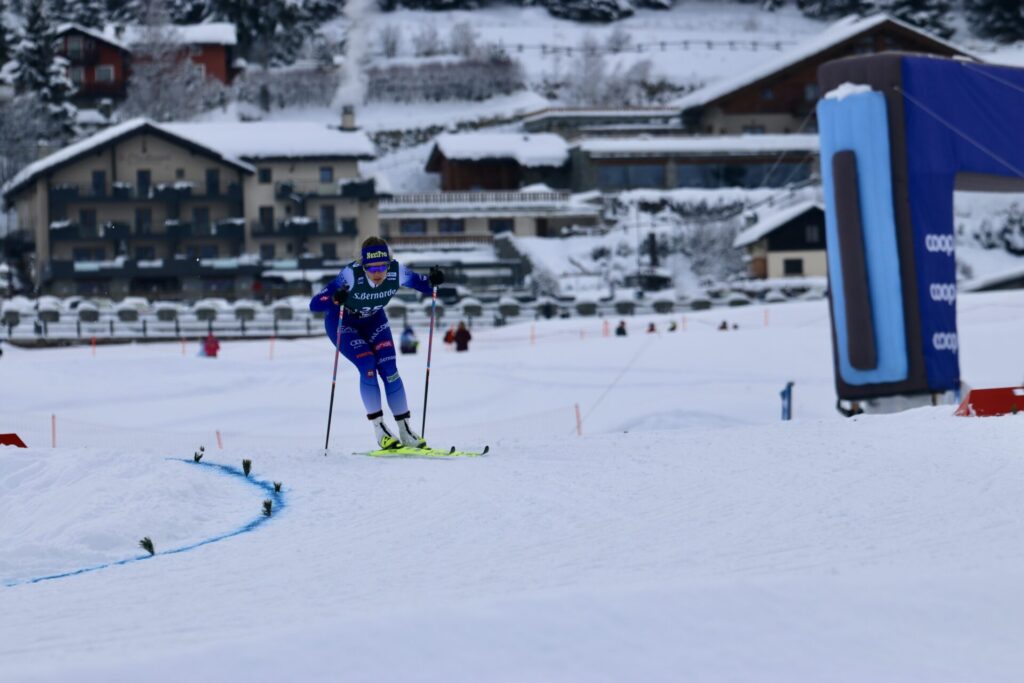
(898, 133)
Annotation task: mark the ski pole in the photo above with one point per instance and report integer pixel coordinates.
(334, 382)
(430, 347)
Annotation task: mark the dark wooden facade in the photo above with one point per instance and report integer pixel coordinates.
(793, 91)
(97, 67)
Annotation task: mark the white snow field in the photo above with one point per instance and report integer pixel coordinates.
(687, 535)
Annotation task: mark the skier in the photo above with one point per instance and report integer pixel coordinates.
(361, 290)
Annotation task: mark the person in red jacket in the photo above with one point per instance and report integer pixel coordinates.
(211, 346)
(462, 337)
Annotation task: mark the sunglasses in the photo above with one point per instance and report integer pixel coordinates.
(376, 269)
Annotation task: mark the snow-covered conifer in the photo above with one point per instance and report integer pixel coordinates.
(1002, 20)
(34, 51)
(930, 15)
(88, 13)
(829, 9)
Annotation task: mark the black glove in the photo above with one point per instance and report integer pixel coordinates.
(436, 277)
(340, 296)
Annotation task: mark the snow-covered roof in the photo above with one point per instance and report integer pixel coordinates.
(103, 137)
(839, 32)
(539, 149)
(774, 221)
(278, 139)
(213, 33)
(712, 144)
(71, 26)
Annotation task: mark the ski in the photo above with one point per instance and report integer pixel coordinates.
(412, 452)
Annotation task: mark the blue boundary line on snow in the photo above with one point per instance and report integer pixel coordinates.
(268, 487)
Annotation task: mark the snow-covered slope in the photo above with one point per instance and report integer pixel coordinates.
(686, 535)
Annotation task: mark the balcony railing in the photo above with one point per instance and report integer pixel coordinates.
(290, 227)
(126, 192)
(473, 198)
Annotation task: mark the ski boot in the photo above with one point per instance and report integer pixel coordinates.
(408, 436)
(385, 439)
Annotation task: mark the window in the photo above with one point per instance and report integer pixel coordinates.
(179, 174)
(201, 217)
(88, 253)
(267, 252)
(349, 228)
(99, 183)
(77, 75)
(793, 266)
(329, 250)
(105, 73)
(626, 176)
(267, 218)
(812, 234)
(326, 174)
(142, 182)
(767, 94)
(451, 225)
(327, 218)
(212, 182)
(811, 92)
(145, 253)
(753, 129)
(499, 225)
(87, 219)
(143, 221)
(265, 176)
(75, 47)
(412, 226)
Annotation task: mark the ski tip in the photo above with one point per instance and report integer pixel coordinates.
(485, 450)
(452, 450)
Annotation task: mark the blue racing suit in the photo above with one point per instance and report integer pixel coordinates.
(365, 333)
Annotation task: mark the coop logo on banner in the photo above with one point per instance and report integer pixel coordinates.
(944, 292)
(945, 341)
(939, 244)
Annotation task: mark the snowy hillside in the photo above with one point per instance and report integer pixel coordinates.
(686, 535)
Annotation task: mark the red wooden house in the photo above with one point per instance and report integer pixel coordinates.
(97, 65)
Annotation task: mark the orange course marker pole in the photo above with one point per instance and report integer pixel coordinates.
(53, 431)
(93, 344)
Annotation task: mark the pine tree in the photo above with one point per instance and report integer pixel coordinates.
(56, 96)
(830, 9)
(187, 11)
(123, 11)
(88, 13)
(270, 32)
(34, 52)
(1002, 20)
(6, 35)
(41, 74)
(930, 15)
(57, 11)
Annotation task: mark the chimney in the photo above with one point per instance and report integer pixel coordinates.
(348, 117)
(119, 31)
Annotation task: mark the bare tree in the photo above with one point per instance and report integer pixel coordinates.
(165, 84)
(427, 42)
(463, 39)
(390, 37)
